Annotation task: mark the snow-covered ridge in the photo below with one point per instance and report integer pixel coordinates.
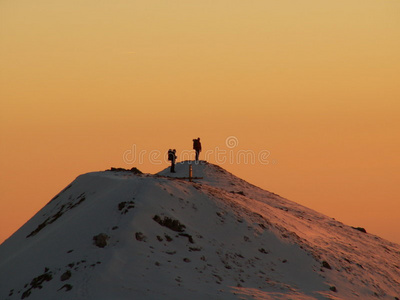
(120, 235)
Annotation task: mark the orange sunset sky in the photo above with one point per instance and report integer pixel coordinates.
(314, 83)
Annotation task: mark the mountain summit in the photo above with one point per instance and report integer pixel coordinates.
(125, 235)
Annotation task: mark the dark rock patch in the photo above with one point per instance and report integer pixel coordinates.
(124, 207)
(262, 225)
(134, 170)
(58, 195)
(63, 209)
(190, 238)
(326, 265)
(67, 287)
(36, 283)
(193, 249)
(26, 294)
(360, 229)
(101, 240)
(172, 224)
(240, 192)
(140, 236)
(65, 276)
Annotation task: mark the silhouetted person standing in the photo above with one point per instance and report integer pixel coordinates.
(172, 158)
(197, 148)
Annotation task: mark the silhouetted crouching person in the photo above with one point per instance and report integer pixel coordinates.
(172, 158)
(197, 148)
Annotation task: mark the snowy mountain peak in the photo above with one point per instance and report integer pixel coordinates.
(125, 235)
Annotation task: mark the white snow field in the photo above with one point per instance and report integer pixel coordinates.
(119, 235)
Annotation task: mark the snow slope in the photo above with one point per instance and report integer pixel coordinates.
(215, 238)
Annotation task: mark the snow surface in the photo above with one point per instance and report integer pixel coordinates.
(233, 241)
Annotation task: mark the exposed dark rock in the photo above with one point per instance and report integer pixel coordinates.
(333, 289)
(121, 205)
(262, 250)
(101, 240)
(66, 276)
(67, 287)
(80, 199)
(218, 277)
(192, 249)
(26, 294)
(58, 195)
(134, 170)
(140, 236)
(117, 169)
(172, 224)
(124, 207)
(240, 192)
(360, 229)
(190, 238)
(326, 265)
(64, 208)
(37, 281)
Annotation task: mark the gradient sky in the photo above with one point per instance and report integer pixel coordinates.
(315, 83)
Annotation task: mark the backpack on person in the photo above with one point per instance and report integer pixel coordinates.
(170, 154)
(196, 144)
